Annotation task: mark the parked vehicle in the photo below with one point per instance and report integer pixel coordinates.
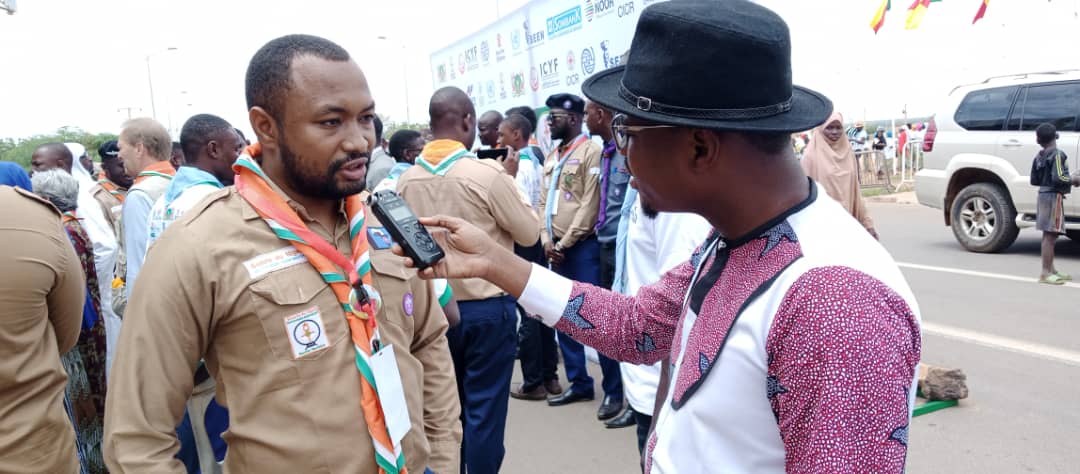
(978, 153)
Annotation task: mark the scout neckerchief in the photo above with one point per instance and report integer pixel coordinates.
(554, 184)
(253, 185)
(161, 169)
(439, 155)
(68, 216)
(605, 176)
(188, 177)
(111, 187)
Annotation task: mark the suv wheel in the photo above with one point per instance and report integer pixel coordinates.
(984, 219)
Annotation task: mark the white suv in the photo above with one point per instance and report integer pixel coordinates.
(978, 155)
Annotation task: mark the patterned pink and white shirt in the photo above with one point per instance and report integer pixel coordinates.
(794, 348)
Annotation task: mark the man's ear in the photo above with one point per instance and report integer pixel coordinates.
(706, 145)
(266, 129)
(213, 150)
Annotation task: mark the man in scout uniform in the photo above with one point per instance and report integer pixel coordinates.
(569, 205)
(297, 310)
(109, 192)
(42, 292)
(448, 179)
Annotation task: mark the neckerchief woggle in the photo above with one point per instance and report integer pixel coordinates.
(554, 184)
(253, 185)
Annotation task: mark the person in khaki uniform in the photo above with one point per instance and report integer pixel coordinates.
(447, 179)
(569, 205)
(41, 305)
(220, 284)
(112, 186)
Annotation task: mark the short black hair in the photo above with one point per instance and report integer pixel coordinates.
(269, 72)
(520, 123)
(399, 141)
(528, 113)
(378, 131)
(1045, 133)
(59, 148)
(242, 136)
(198, 131)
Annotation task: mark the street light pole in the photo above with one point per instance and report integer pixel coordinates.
(150, 80)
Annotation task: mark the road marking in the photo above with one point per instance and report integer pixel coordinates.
(1041, 351)
(958, 271)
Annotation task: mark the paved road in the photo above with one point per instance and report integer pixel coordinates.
(1018, 341)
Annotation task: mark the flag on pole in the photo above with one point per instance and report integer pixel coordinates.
(879, 16)
(916, 13)
(982, 11)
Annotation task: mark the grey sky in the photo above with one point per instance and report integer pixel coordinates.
(71, 62)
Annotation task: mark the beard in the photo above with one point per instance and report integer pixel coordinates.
(310, 182)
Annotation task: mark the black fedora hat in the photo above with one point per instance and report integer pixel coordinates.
(717, 64)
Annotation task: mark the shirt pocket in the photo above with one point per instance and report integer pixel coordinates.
(391, 278)
(572, 178)
(294, 292)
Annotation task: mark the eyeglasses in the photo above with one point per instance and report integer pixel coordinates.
(552, 117)
(621, 131)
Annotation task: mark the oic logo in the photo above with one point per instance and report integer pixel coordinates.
(588, 61)
(534, 79)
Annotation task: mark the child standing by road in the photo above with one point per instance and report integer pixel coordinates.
(1050, 171)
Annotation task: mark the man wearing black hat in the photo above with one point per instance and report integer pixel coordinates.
(569, 205)
(113, 185)
(793, 336)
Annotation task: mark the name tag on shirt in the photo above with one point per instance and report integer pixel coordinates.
(391, 394)
(274, 261)
(306, 332)
(595, 171)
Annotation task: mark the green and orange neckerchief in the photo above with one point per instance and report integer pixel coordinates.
(161, 169)
(349, 278)
(111, 187)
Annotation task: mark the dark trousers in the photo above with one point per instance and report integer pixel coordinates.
(482, 347)
(582, 263)
(536, 341)
(643, 423)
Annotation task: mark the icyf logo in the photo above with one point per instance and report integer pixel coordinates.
(471, 58)
(566, 22)
(588, 61)
(598, 8)
(517, 84)
(549, 73)
(534, 80)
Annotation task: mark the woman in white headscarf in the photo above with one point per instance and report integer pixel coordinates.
(830, 160)
(103, 238)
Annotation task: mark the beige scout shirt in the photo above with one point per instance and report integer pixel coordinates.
(219, 284)
(110, 206)
(480, 192)
(578, 202)
(42, 292)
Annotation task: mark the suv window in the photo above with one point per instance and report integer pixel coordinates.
(1058, 104)
(986, 109)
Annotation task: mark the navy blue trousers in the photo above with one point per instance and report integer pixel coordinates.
(582, 263)
(482, 347)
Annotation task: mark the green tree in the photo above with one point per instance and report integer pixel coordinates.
(20, 150)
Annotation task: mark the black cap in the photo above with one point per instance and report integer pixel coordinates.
(109, 149)
(568, 102)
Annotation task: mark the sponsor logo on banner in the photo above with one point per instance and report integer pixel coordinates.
(549, 73)
(472, 58)
(517, 84)
(588, 61)
(461, 63)
(500, 51)
(442, 73)
(491, 90)
(502, 86)
(485, 53)
(573, 78)
(515, 39)
(450, 67)
(611, 58)
(566, 22)
(598, 8)
(534, 79)
(626, 9)
(534, 38)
